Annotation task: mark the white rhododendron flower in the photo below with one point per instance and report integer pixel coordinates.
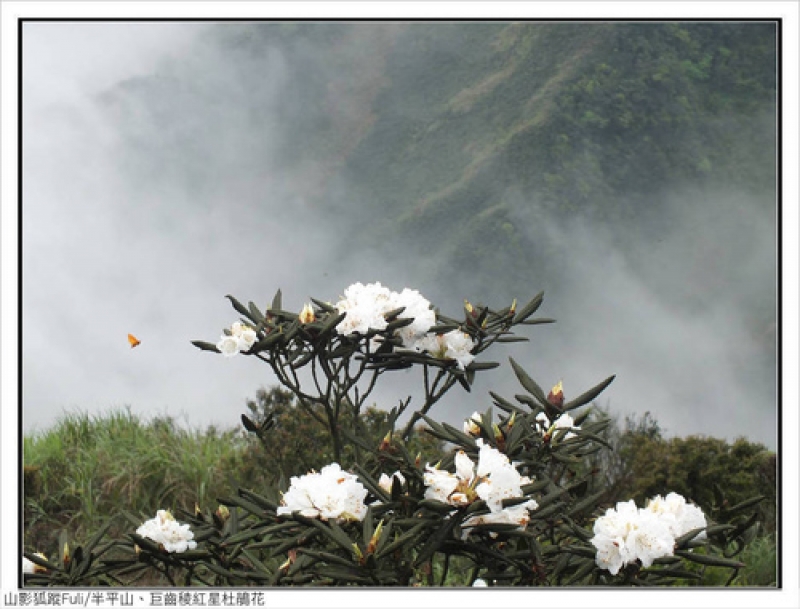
(241, 338)
(440, 484)
(480, 583)
(385, 482)
(455, 345)
(564, 421)
(329, 494)
(168, 532)
(365, 306)
(500, 480)
(418, 308)
(680, 516)
(626, 533)
(493, 479)
(458, 347)
(228, 345)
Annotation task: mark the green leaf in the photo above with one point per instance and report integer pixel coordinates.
(443, 328)
(255, 314)
(713, 561)
(529, 309)
(673, 573)
(589, 395)
(528, 383)
(582, 572)
(539, 320)
(745, 504)
(90, 545)
(248, 424)
(549, 498)
(688, 536)
(332, 322)
(405, 539)
(435, 541)
(276, 302)
(558, 456)
(583, 551)
(246, 505)
(328, 308)
(329, 529)
(271, 338)
(504, 404)
(368, 481)
(482, 365)
(436, 506)
(512, 339)
(204, 346)
(327, 557)
(239, 307)
(259, 500)
(587, 502)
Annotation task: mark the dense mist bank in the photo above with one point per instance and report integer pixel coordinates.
(626, 169)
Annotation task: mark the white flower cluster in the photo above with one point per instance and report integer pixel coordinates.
(627, 533)
(367, 305)
(329, 494)
(494, 479)
(564, 421)
(455, 345)
(166, 531)
(240, 338)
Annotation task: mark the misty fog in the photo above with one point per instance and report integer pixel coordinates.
(167, 165)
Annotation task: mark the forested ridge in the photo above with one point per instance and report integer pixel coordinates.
(450, 125)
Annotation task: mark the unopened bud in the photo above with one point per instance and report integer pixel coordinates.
(512, 420)
(556, 395)
(66, 555)
(290, 558)
(498, 435)
(376, 536)
(359, 554)
(386, 442)
(223, 513)
(513, 308)
(472, 425)
(306, 315)
(468, 306)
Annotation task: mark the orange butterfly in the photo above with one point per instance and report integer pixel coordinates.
(133, 341)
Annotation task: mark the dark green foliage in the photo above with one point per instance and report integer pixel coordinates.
(717, 475)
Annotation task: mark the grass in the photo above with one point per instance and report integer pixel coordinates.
(80, 473)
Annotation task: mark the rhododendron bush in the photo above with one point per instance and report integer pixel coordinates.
(511, 499)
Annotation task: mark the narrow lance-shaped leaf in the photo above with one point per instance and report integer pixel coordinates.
(714, 561)
(589, 395)
(745, 504)
(255, 314)
(276, 302)
(528, 383)
(240, 308)
(204, 346)
(529, 309)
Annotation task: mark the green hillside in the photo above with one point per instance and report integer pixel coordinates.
(437, 130)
